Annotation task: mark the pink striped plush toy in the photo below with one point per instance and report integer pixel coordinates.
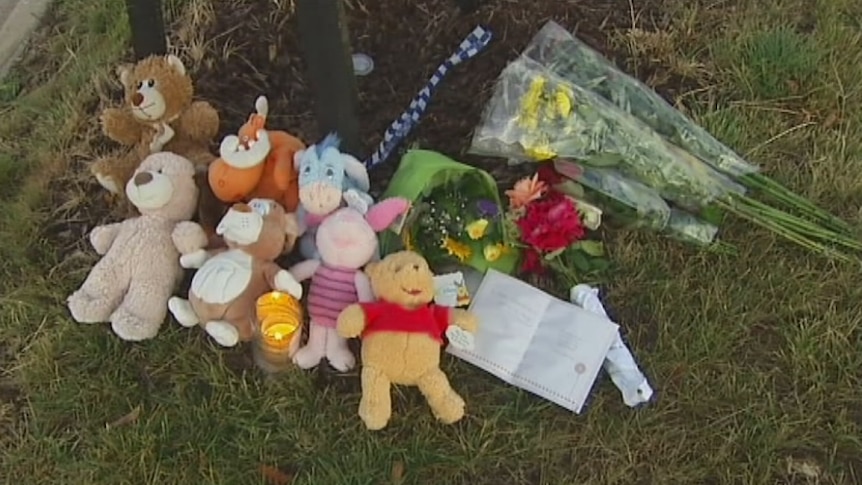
(346, 241)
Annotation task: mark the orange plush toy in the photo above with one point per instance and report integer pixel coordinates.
(257, 163)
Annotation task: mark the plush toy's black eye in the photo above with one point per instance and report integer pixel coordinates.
(151, 82)
(140, 84)
(330, 172)
(307, 169)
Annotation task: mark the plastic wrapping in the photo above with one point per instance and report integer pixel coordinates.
(537, 115)
(563, 54)
(629, 201)
(686, 227)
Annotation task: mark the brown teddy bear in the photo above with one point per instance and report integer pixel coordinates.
(131, 284)
(158, 115)
(402, 334)
(228, 282)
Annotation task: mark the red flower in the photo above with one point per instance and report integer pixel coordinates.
(531, 262)
(551, 223)
(549, 175)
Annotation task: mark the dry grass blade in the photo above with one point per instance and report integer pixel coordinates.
(397, 474)
(275, 476)
(129, 418)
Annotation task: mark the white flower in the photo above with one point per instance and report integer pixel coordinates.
(590, 214)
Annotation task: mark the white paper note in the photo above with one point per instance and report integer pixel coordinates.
(537, 342)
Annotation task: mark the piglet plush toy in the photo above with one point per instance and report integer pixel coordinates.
(346, 241)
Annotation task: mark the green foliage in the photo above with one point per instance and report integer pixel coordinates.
(773, 63)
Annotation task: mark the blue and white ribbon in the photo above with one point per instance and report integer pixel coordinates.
(400, 128)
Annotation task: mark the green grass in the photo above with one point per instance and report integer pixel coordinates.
(755, 357)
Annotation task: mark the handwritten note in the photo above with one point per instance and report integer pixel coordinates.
(537, 342)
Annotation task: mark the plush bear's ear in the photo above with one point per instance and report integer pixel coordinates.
(124, 72)
(176, 64)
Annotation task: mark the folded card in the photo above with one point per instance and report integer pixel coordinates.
(537, 342)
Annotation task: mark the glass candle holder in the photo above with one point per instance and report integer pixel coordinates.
(279, 324)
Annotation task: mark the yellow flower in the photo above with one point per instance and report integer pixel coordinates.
(477, 228)
(457, 249)
(563, 101)
(540, 153)
(531, 104)
(492, 252)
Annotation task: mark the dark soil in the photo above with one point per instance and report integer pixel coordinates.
(407, 40)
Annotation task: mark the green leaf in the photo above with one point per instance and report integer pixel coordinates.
(712, 214)
(554, 254)
(571, 188)
(604, 160)
(592, 248)
(600, 265)
(580, 261)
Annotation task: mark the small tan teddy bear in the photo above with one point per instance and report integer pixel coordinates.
(402, 334)
(140, 266)
(158, 115)
(229, 281)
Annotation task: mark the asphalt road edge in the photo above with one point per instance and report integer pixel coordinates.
(16, 29)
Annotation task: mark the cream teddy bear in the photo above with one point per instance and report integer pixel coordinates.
(139, 270)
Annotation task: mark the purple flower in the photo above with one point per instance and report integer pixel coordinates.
(487, 208)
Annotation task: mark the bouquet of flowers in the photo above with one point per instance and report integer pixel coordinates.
(563, 54)
(552, 228)
(535, 114)
(453, 223)
(455, 217)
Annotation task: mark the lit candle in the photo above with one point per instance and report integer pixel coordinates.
(279, 318)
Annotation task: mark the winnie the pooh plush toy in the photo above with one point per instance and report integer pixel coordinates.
(401, 335)
(140, 265)
(158, 114)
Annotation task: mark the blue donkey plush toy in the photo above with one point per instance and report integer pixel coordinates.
(328, 179)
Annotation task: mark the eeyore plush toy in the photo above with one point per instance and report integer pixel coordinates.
(328, 180)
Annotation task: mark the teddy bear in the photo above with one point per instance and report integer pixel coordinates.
(346, 241)
(139, 269)
(402, 334)
(158, 114)
(226, 286)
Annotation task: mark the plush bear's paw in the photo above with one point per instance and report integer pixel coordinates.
(101, 239)
(194, 259)
(308, 356)
(183, 312)
(338, 353)
(88, 309)
(284, 281)
(355, 201)
(350, 322)
(131, 327)
(223, 333)
(108, 183)
(450, 409)
(189, 237)
(374, 414)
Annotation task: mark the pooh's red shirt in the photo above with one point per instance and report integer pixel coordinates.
(382, 316)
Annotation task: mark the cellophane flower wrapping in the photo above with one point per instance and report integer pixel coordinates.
(536, 115)
(456, 215)
(556, 49)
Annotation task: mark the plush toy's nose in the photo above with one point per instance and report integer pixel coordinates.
(241, 207)
(143, 178)
(137, 99)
